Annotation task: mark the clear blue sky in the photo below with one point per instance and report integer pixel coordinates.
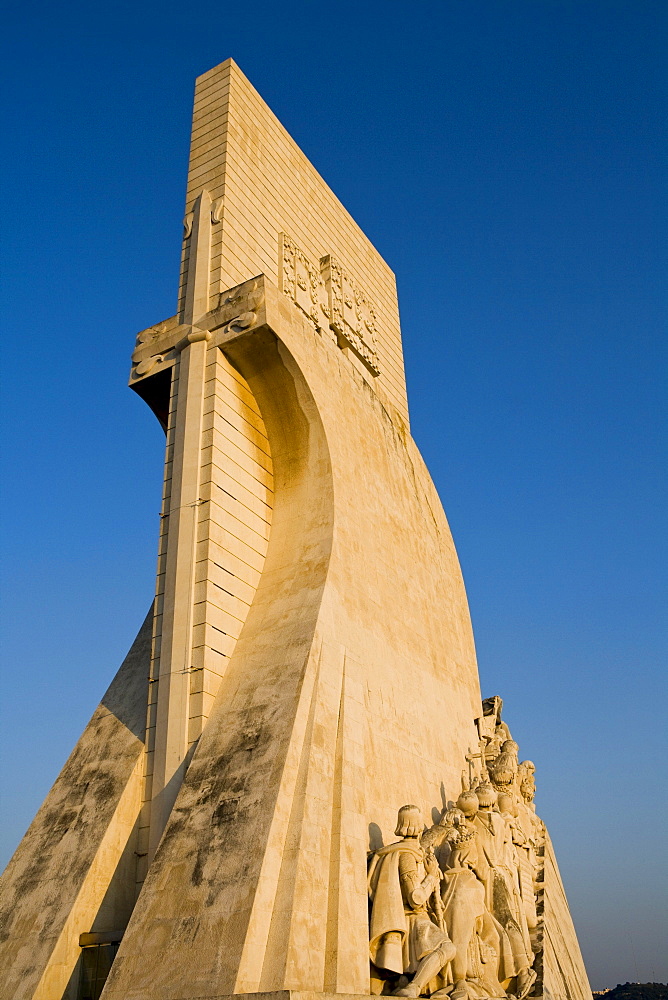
(506, 158)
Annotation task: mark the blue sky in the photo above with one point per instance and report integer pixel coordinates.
(506, 158)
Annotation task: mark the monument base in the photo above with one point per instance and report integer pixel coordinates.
(278, 995)
(294, 995)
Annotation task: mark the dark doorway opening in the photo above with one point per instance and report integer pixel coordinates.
(96, 962)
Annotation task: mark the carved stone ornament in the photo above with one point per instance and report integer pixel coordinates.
(147, 365)
(237, 309)
(301, 280)
(217, 210)
(331, 299)
(353, 317)
(152, 335)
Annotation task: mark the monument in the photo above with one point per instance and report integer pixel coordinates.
(227, 823)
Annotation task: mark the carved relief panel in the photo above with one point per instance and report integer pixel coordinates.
(331, 299)
(353, 317)
(300, 278)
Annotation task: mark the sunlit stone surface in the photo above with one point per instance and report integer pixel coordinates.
(308, 667)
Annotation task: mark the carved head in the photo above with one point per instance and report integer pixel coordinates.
(527, 781)
(507, 804)
(486, 796)
(409, 822)
(468, 803)
(503, 773)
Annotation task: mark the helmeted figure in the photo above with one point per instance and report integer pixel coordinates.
(407, 934)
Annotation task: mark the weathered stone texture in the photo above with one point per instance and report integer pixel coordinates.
(356, 661)
(312, 664)
(60, 882)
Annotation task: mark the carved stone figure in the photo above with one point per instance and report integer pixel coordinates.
(502, 895)
(524, 844)
(493, 731)
(472, 973)
(503, 770)
(407, 934)
(526, 780)
(476, 938)
(468, 804)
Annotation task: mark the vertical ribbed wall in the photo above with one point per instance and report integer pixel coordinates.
(234, 523)
(234, 519)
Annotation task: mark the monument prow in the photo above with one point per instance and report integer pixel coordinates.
(310, 665)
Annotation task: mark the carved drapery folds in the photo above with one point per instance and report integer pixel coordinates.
(455, 908)
(331, 299)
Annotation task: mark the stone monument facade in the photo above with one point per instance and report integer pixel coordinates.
(227, 823)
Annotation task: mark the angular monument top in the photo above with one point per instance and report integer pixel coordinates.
(262, 185)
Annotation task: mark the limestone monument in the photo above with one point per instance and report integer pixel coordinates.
(227, 823)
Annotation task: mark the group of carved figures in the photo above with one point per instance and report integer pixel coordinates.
(453, 907)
